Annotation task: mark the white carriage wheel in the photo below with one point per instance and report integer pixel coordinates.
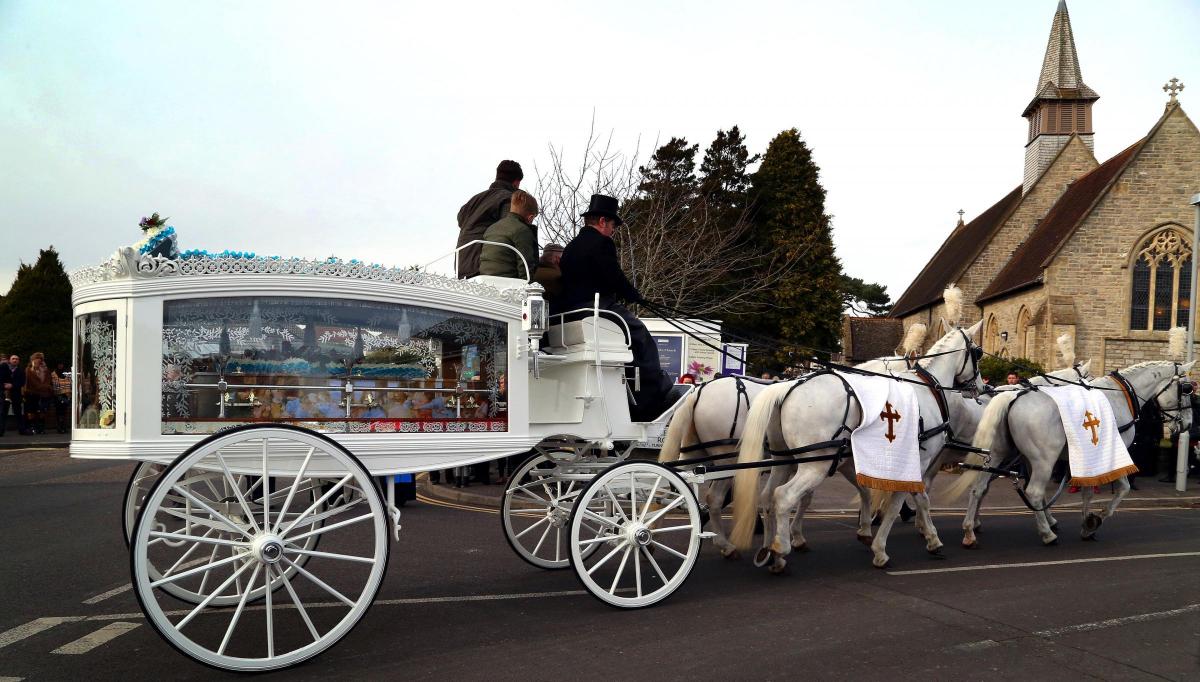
(143, 479)
(536, 510)
(648, 534)
(322, 600)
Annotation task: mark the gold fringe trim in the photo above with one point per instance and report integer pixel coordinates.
(890, 485)
(1104, 478)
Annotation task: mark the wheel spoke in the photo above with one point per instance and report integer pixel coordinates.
(215, 514)
(597, 540)
(270, 610)
(329, 493)
(196, 538)
(532, 495)
(616, 504)
(266, 499)
(650, 498)
(332, 526)
(543, 538)
(327, 514)
(320, 583)
(213, 595)
(329, 555)
(670, 550)
(603, 561)
(663, 512)
(650, 558)
(241, 605)
(292, 493)
(198, 569)
(620, 570)
(668, 529)
(193, 520)
(237, 491)
(558, 544)
(287, 584)
(211, 558)
(187, 554)
(609, 522)
(544, 519)
(637, 571)
(632, 496)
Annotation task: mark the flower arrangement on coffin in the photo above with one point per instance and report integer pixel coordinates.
(697, 369)
(159, 238)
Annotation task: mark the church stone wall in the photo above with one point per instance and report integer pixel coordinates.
(1075, 160)
(1006, 312)
(1091, 269)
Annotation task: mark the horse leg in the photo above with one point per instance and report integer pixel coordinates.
(786, 498)
(865, 515)
(774, 480)
(879, 545)
(1091, 522)
(933, 544)
(799, 543)
(970, 522)
(714, 497)
(1035, 490)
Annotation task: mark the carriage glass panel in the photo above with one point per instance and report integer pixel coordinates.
(329, 364)
(96, 370)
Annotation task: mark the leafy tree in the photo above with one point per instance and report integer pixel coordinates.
(996, 369)
(790, 219)
(864, 298)
(35, 315)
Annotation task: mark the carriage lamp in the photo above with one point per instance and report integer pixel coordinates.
(534, 321)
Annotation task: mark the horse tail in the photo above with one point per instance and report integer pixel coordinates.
(681, 431)
(763, 411)
(994, 417)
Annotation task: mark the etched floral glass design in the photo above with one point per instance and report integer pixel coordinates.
(333, 365)
(95, 370)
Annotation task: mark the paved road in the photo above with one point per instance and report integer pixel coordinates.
(458, 603)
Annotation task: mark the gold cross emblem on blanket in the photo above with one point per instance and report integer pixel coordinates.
(1091, 422)
(892, 416)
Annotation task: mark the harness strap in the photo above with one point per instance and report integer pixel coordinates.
(711, 443)
(1130, 399)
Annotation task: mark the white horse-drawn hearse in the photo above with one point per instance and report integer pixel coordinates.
(271, 403)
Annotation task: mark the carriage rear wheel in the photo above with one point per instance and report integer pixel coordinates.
(647, 536)
(214, 489)
(257, 537)
(536, 509)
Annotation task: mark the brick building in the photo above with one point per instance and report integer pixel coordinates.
(1100, 251)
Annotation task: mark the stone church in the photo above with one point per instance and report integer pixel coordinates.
(1099, 251)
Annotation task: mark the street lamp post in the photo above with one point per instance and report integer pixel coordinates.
(1181, 457)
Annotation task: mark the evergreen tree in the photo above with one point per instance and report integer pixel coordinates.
(671, 174)
(35, 315)
(865, 298)
(724, 174)
(790, 218)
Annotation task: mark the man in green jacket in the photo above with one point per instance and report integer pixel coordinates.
(517, 230)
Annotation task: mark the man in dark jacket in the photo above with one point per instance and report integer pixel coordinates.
(481, 211)
(12, 381)
(517, 230)
(589, 267)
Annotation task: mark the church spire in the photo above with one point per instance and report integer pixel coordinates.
(1062, 102)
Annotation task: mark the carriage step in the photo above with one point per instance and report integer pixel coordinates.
(707, 535)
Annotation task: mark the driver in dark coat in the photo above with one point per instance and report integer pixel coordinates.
(589, 267)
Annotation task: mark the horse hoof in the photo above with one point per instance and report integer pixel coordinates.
(1087, 537)
(885, 564)
(777, 569)
(1092, 522)
(802, 547)
(865, 539)
(732, 555)
(974, 544)
(1051, 542)
(762, 557)
(936, 553)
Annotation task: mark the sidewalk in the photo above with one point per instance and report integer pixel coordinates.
(13, 440)
(836, 495)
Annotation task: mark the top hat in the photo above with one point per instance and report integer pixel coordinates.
(604, 206)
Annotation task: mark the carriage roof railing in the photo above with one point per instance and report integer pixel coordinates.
(510, 247)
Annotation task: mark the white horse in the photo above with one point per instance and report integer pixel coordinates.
(818, 410)
(1031, 428)
(714, 416)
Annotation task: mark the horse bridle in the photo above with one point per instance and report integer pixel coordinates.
(1175, 414)
(973, 354)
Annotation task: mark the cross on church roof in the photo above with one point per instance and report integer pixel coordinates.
(1173, 87)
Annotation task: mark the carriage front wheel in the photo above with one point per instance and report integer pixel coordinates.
(635, 534)
(249, 539)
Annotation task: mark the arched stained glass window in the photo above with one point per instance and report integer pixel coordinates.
(1162, 277)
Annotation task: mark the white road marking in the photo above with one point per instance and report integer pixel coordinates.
(11, 679)
(111, 593)
(32, 628)
(91, 641)
(1114, 622)
(1030, 564)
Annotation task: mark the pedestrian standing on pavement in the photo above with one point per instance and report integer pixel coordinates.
(12, 379)
(481, 211)
(62, 397)
(39, 393)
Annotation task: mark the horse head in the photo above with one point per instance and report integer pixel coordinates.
(954, 359)
(1166, 383)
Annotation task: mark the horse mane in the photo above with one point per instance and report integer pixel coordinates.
(1149, 363)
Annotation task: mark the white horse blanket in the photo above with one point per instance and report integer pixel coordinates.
(1094, 446)
(885, 445)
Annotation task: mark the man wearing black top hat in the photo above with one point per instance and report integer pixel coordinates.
(589, 267)
(482, 210)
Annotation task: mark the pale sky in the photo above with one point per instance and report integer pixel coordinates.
(358, 129)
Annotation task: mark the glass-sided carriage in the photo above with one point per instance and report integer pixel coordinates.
(270, 402)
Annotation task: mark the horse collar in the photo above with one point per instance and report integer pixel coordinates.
(936, 390)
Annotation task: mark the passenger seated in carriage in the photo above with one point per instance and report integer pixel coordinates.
(590, 267)
(516, 229)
